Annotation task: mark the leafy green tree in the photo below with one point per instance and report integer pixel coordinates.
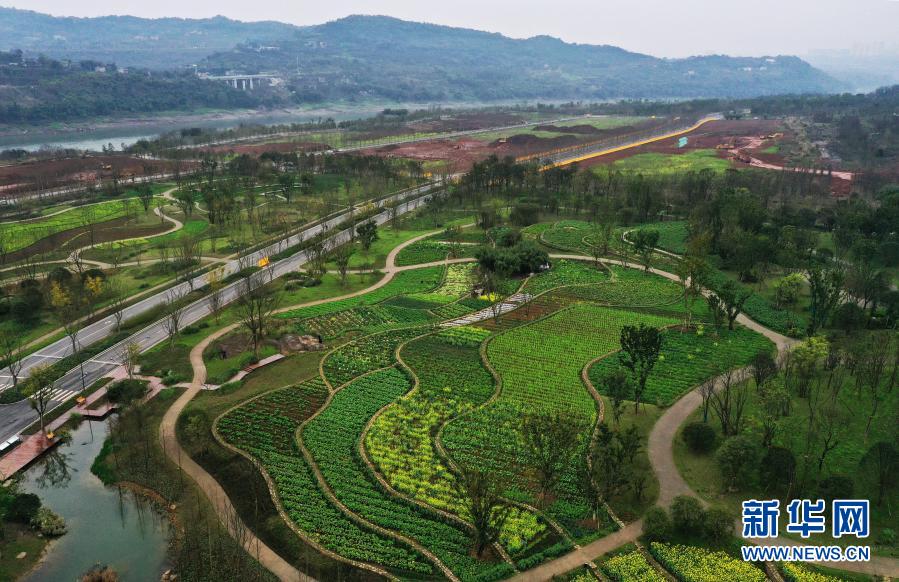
(733, 297)
(687, 515)
(482, 494)
(826, 292)
(645, 242)
(367, 232)
(551, 441)
(738, 459)
(640, 349)
(718, 525)
(618, 389)
(656, 524)
(786, 291)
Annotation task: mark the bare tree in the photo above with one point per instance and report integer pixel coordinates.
(729, 402)
(342, 257)
(11, 352)
(255, 308)
(130, 356)
(89, 221)
(172, 321)
(117, 300)
(145, 195)
(216, 297)
(38, 389)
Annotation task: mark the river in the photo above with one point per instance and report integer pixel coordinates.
(106, 525)
(128, 132)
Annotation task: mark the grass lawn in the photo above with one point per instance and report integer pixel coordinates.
(376, 256)
(19, 539)
(693, 160)
(597, 122)
(702, 474)
(626, 506)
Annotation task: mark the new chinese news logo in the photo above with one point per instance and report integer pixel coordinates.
(848, 517)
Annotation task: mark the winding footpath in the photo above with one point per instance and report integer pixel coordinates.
(214, 492)
(659, 449)
(671, 484)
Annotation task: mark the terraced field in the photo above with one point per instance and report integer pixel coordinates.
(364, 457)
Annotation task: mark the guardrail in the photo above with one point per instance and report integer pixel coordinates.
(580, 152)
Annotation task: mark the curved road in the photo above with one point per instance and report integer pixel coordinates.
(207, 483)
(15, 417)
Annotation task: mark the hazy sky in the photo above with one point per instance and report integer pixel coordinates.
(659, 27)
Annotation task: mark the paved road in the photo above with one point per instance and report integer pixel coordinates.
(15, 417)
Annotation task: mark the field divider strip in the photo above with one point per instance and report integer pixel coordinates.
(329, 493)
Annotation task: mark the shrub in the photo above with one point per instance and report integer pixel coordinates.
(835, 487)
(524, 214)
(718, 525)
(887, 537)
(48, 523)
(24, 508)
(777, 468)
(656, 524)
(126, 391)
(171, 378)
(11, 395)
(848, 317)
(687, 515)
(737, 459)
(700, 437)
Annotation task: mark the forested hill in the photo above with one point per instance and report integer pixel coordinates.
(36, 91)
(382, 57)
(161, 43)
(364, 57)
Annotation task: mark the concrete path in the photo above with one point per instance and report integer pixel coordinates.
(671, 484)
(217, 496)
(206, 482)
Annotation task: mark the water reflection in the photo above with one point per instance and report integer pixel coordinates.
(106, 525)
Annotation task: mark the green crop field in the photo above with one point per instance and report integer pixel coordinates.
(692, 160)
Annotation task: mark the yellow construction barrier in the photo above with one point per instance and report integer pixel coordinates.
(569, 161)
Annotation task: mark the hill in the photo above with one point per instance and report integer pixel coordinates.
(129, 41)
(354, 59)
(36, 91)
(362, 57)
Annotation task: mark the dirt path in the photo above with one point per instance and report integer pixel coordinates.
(660, 449)
(217, 496)
(206, 482)
(671, 484)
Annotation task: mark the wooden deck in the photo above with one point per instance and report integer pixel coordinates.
(23, 455)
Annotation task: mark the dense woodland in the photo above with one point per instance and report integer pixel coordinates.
(44, 90)
(365, 57)
(756, 225)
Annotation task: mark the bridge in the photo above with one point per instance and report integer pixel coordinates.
(245, 82)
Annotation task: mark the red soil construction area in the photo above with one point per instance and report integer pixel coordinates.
(740, 141)
(460, 154)
(46, 174)
(258, 149)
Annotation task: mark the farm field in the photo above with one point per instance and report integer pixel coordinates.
(411, 403)
(692, 160)
(582, 128)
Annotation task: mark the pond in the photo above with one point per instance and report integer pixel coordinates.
(106, 525)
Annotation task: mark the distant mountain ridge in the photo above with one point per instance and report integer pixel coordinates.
(379, 58)
(128, 40)
(382, 57)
